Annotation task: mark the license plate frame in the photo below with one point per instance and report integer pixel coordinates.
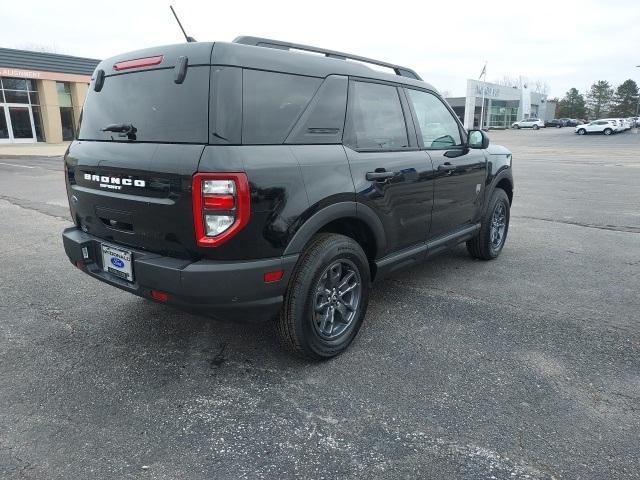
(117, 261)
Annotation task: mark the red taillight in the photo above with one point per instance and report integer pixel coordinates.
(159, 296)
(221, 206)
(137, 63)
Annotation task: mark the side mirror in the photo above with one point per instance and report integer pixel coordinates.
(477, 139)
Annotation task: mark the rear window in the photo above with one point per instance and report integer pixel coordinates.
(150, 100)
(272, 103)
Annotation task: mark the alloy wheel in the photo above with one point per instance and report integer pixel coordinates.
(498, 226)
(337, 298)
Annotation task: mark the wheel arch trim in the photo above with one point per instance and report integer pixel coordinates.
(337, 211)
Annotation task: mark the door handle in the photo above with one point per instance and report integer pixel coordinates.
(446, 167)
(380, 176)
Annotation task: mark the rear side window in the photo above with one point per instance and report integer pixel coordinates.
(438, 127)
(150, 100)
(272, 103)
(374, 118)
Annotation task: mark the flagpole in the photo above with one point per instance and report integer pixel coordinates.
(484, 71)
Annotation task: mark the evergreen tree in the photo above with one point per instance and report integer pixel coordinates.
(625, 100)
(572, 105)
(599, 99)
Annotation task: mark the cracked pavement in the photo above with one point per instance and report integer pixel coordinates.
(524, 367)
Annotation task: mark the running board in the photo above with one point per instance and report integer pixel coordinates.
(422, 251)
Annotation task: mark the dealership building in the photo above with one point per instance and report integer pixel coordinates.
(502, 105)
(41, 95)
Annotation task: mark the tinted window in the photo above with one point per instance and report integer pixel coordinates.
(160, 109)
(438, 127)
(271, 104)
(374, 118)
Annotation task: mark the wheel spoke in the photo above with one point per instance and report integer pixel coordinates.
(350, 288)
(345, 280)
(325, 320)
(335, 273)
(321, 306)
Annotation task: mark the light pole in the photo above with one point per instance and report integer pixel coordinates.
(638, 104)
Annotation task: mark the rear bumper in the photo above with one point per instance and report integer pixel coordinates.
(225, 288)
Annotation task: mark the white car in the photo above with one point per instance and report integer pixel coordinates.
(617, 122)
(597, 126)
(534, 123)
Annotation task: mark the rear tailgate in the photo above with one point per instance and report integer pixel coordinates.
(134, 187)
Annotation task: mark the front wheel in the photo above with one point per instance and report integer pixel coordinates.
(558, 126)
(492, 235)
(536, 127)
(581, 131)
(608, 131)
(326, 299)
(517, 127)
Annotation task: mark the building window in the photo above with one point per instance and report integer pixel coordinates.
(66, 110)
(22, 91)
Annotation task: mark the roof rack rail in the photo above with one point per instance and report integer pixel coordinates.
(280, 45)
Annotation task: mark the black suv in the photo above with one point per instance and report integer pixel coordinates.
(255, 177)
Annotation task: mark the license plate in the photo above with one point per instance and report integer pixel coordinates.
(117, 262)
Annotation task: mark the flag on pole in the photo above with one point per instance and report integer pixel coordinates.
(484, 71)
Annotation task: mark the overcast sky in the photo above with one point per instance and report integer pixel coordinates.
(563, 43)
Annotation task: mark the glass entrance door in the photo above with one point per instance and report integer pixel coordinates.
(4, 126)
(16, 124)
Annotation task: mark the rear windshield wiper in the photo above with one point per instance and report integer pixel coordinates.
(122, 129)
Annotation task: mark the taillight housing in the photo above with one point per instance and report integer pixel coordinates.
(221, 206)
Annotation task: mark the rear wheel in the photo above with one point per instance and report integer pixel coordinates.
(492, 236)
(326, 299)
(608, 131)
(581, 131)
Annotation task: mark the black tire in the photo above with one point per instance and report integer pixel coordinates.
(558, 126)
(483, 245)
(607, 131)
(302, 328)
(517, 127)
(536, 127)
(582, 131)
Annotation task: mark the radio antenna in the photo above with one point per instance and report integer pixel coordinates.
(187, 37)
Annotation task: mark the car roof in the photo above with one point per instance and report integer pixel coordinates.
(260, 58)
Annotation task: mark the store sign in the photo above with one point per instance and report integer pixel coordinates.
(13, 72)
(38, 75)
(489, 91)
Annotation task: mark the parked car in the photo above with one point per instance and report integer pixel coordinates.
(534, 123)
(558, 123)
(250, 179)
(617, 122)
(568, 122)
(597, 126)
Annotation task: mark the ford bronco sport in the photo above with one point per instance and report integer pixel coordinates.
(253, 177)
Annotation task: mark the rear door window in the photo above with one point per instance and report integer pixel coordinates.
(272, 103)
(375, 120)
(150, 100)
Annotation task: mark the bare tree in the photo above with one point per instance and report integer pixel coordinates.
(508, 81)
(540, 87)
(38, 47)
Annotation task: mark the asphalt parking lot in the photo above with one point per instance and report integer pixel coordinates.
(524, 367)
